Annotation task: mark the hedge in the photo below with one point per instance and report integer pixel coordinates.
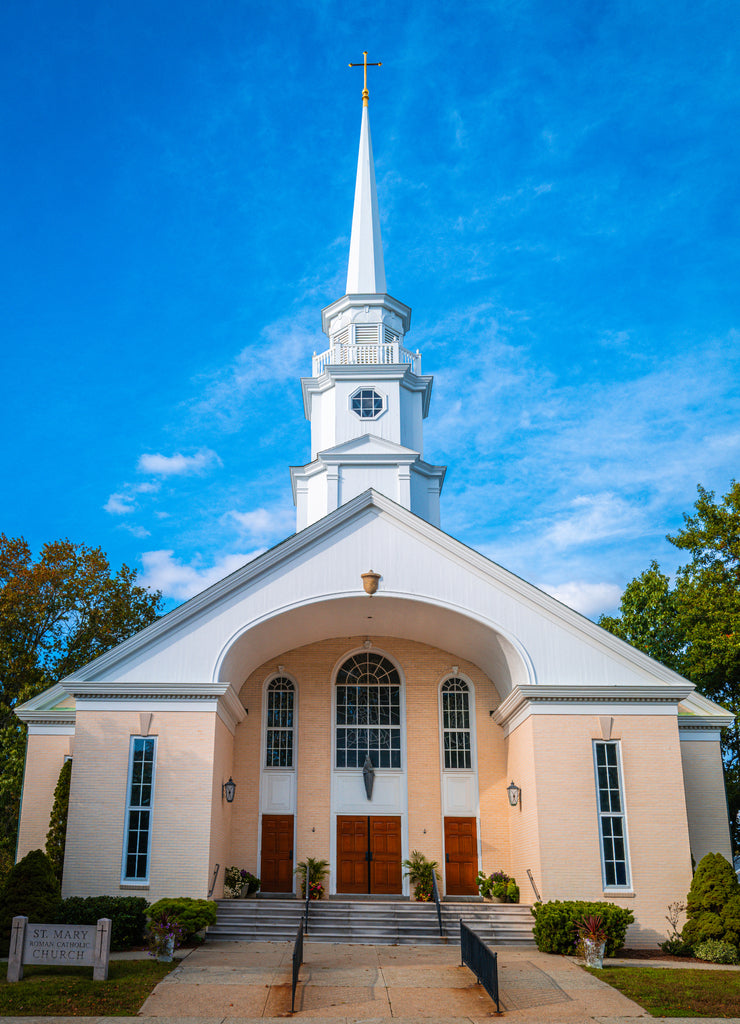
(555, 924)
(31, 889)
(127, 915)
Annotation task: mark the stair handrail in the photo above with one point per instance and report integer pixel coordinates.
(435, 892)
(308, 904)
(536, 890)
(213, 883)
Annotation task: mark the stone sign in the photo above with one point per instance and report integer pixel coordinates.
(78, 945)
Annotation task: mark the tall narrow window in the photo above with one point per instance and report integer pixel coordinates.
(137, 840)
(368, 712)
(456, 723)
(615, 862)
(280, 718)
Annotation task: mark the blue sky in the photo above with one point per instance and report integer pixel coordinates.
(559, 189)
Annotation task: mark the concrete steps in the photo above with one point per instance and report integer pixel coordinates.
(371, 922)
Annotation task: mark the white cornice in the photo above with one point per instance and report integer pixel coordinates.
(384, 300)
(219, 697)
(402, 372)
(61, 718)
(528, 699)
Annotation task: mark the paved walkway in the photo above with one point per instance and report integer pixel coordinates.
(250, 983)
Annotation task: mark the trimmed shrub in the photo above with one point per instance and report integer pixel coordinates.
(512, 892)
(715, 952)
(730, 917)
(32, 889)
(127, 915)
(56, 837)
(676, 947)
(713, 887)
(555, 924)
(192, 915)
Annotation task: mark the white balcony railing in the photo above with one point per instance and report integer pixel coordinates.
(366, 355)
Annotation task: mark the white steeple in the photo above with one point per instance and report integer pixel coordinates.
(366, 272)
(367, 398)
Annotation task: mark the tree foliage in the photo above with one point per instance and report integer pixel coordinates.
(57, 613)
(693, 627)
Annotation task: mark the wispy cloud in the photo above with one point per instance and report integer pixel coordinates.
(263, 525)
(587, 598)
(119, 504)
(178, 465)
(179, 580)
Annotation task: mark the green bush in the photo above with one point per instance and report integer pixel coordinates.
(676, 947)
(32, 889)
(713, 888)
(716, 952)
(127, 915)
(56, 837)
(512, 892)
(730, 917)
(192, 915)
(555, 924)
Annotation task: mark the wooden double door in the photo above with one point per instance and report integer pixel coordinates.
(277, 853)
(461, 856)
(369, 855)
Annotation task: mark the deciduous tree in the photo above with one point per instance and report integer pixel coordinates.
(694, 626)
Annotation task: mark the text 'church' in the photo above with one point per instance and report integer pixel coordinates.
(372, 687)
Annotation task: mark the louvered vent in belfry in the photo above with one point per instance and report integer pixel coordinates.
(342, 338)
(366, 334)
(390, 337)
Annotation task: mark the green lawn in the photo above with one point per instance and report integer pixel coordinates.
(71, 992)
(677, 992)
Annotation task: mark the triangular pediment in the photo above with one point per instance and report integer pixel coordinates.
(433, 589)
(369, 444)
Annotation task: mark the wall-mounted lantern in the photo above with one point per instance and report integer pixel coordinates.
(514, 793)
(228, 789)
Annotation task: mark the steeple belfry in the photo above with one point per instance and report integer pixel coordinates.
(366, 271)
(367, 397)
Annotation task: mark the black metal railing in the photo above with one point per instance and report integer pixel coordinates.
(297, 961)
(213, 883)
(306, 909)
(481, 960)
(435, 893)
(536, 890)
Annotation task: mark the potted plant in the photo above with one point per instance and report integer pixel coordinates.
(165, 935)
(593, 936)
(420, 873)
(485, 886)
(312, 871)
(250, 885)
(499, 884)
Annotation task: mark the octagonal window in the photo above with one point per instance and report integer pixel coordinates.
(367, 403)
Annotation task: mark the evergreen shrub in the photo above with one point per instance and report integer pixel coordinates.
(715, 952)
(730, 917)
(555, 927)
(31, 889)
(56, 837)
(192, 915)
(712, 891)
(127, 915)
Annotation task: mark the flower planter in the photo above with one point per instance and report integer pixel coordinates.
(593, 951)
(165, 955)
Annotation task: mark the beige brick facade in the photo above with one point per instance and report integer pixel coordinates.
(44, 759)
(706, 800)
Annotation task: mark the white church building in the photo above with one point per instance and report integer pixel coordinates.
(503, 730)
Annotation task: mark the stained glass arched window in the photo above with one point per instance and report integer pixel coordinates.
(368, 712)
(456, 723)
(280, 723)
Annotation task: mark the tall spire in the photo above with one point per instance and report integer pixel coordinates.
(366, 270)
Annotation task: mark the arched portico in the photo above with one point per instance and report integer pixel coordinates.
(500, 656)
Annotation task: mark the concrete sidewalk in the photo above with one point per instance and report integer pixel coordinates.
(250, 982)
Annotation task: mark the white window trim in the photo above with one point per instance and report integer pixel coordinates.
(265, 698)
(471, 728)
(381, 394)
(627, 887)
(125, 879)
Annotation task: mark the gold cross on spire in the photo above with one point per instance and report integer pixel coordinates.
(365, 93)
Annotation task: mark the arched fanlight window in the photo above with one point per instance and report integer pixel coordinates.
(280, 723)
(368, 712)
(456, 723)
